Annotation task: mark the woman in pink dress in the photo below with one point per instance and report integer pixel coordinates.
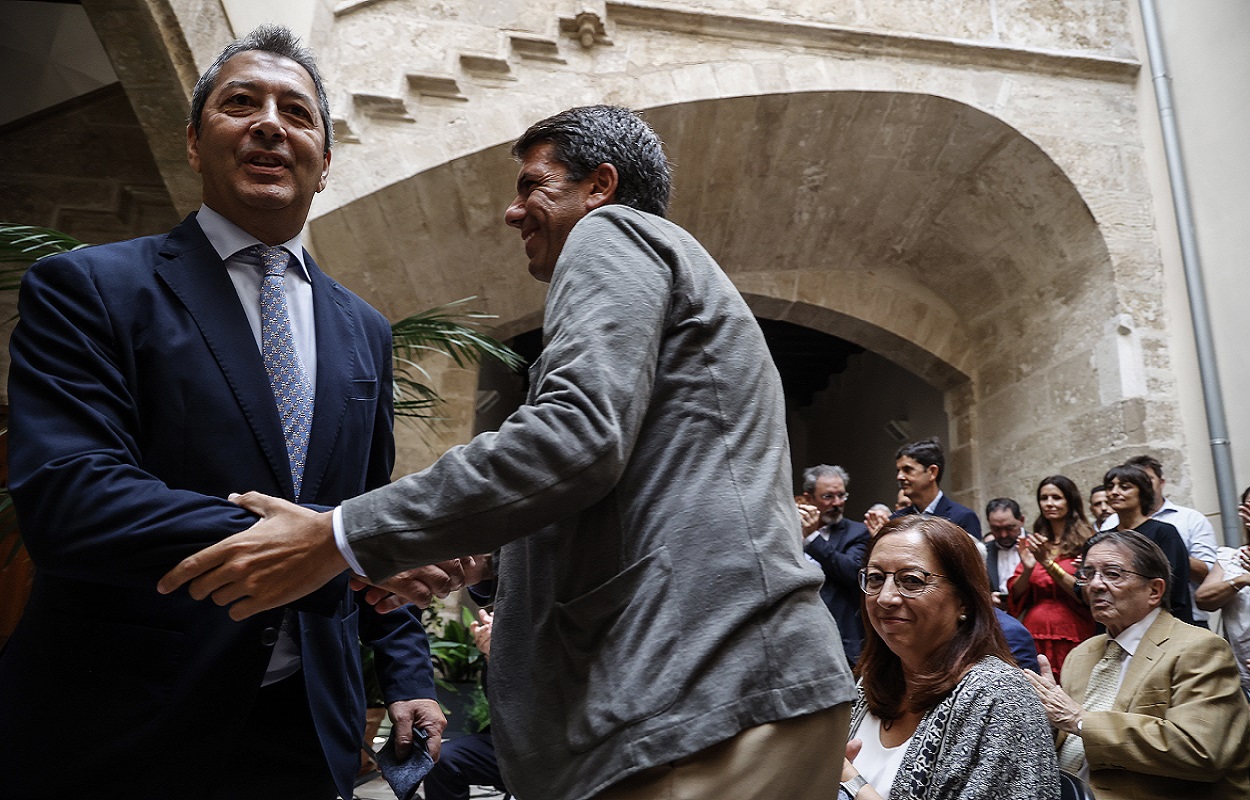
(1042, 593)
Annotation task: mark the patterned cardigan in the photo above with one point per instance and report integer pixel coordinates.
(987, 740)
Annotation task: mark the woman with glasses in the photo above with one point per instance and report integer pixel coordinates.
(1132, 495)
(941, 710)
(1042, 593)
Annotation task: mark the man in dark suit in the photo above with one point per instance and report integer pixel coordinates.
(1006, 526)
(142, 397)
(919, 468)
(838, 545)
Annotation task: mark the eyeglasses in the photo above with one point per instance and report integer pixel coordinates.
(834, 496)
(911, 582)
(1111, 575)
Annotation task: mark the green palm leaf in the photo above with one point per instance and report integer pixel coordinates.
(22, 245)
(450, 330)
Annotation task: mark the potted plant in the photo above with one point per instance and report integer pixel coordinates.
(458, 666)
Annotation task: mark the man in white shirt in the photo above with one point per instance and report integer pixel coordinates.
(1006, 527)
(1195, 529)
(1153, 708)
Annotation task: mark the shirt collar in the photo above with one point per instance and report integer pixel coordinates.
(929, 508)
(228, 239)
(1131, 636)
(1168, 507)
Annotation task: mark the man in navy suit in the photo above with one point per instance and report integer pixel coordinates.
(919, 468)
(140, 401)
(838, 545)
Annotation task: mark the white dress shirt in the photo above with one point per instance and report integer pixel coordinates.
(246, 272)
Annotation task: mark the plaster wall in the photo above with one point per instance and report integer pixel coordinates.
(1206, 55)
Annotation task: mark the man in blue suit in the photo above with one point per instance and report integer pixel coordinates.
(838, 545)
(141, 398)
(919, 468)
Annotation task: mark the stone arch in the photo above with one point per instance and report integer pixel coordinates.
(919, 227)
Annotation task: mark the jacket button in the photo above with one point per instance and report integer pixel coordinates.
(269, 637)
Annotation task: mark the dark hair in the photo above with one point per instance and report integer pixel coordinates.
(1004, 504)
(1245, 495)
(1102, 487)
(1148, 558)
(588, 136)
(927, 452)
(980, 635)
(274, 39)
(1127, 473)
(1147, 462)
(1076, 528)
(813, 474)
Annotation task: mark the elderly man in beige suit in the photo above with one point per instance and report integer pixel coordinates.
(1152, 709)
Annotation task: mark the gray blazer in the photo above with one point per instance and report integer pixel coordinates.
(653, 598)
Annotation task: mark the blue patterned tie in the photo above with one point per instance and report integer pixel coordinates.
(291, 388)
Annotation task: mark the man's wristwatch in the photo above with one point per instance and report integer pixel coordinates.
(853, 786)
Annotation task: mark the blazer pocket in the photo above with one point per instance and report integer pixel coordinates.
(618, 652)
(1153, 701)
(363, 389)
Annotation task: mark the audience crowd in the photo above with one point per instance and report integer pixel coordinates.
(1106, 615)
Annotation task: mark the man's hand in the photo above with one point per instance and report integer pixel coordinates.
(809, 515)
(875, 519)
(1062, 711)
(481, 631)
(417, 586)
(419, 714)
(287, 555)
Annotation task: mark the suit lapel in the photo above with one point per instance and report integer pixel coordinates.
(1148, 652)
(336, 357)
(198, 278)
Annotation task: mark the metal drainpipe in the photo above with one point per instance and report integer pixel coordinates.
(1217, 424)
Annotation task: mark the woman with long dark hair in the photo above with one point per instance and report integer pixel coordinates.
(1043, 591)
(940, 711)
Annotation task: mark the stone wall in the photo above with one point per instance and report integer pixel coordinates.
(957, 185)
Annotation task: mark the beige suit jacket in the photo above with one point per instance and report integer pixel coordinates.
(1180, 725)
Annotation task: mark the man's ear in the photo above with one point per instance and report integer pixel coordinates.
(1157, 587)
(603, 183)
(193, 148)
(932, 469)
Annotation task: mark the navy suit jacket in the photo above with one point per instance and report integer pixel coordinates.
(947, 508)
(1023, 649)
(841, 558)
(139, 401)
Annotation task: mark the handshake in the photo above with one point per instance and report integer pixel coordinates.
(290, 553)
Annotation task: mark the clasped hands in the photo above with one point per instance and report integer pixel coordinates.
(290, 553)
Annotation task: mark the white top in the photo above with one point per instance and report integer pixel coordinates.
(1196, 532)
(1008, 560)
(1236, 614)
(876, 762)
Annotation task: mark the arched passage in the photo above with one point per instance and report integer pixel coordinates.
(920, 228)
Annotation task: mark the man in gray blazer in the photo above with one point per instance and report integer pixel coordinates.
(653, 600)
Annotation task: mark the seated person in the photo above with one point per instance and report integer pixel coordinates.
(941, 710)
(1151, 710)
(467, 760)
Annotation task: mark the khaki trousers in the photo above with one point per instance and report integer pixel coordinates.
(796, 759)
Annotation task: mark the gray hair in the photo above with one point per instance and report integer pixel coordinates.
(1148, 558)
(588, 136)
(813, 474)
(274, 39)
